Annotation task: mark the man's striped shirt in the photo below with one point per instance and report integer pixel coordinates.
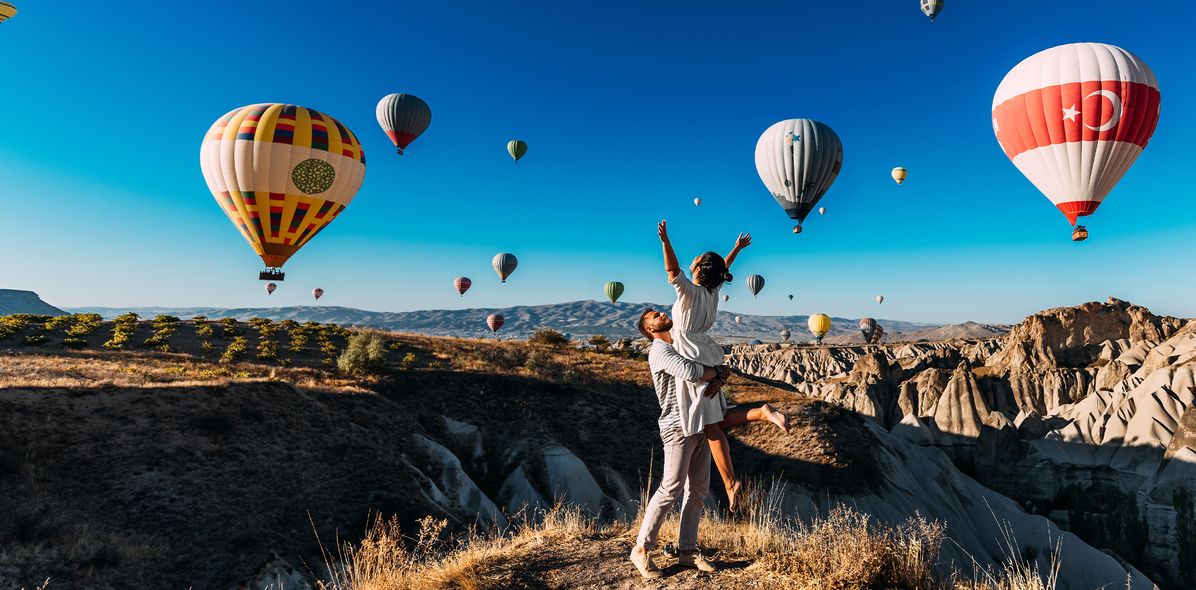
(667, 367)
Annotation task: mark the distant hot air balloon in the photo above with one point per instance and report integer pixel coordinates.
(516, 148)
(495, 322)
(726, 298)
(504, 264)
(877, 334)
(932, 8)
(819, 324)
(281, 173)
(785, 335)
(270, 287)
(738, 320)
(614, 290)
(697, 202)
(1073, 119)
(798, 159)
(754, 284)
(755, 342)
(7, 11)
(462, 284)
(822, 210)
(790, 297)
(899, 174)
(880, 298)
(317, 293)
(867, 328)
(403, 117)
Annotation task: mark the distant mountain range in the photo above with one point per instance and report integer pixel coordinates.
(577, 318)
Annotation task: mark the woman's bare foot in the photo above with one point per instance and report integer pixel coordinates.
(733, 495)
(776, 417)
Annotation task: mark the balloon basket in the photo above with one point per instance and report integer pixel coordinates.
(1079, 234)
(271, 274)
(797, 229)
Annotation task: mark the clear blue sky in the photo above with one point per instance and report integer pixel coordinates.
(630, 108)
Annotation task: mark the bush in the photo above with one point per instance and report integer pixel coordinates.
(365, 354)
(122, 331)
(408, 360)
(599, 342)
(548, 337)
(234, 350)
(35, 340)
(59, 322)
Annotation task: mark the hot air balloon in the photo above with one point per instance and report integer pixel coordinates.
(899, 174)
(932, 8)
(281, 173)
(504, 264)
(819, 324)
(1073, 119)
(516, 148)
(877, 334)
(867, 328)
(785, 335)
(754, 284)
(495, 322)
(7, 11)
(822, 210)
(403, 117)
(798, 159)
(317, 293)
(738, 320)
(462, 284)
(697, 202)
(790, 297)
(270, 287)
(614, 290)
(755, 342)
(880, 298)
(726, 298)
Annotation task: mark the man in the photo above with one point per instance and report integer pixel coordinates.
(686, 458)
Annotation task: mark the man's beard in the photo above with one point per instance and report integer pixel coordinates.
(664, 325)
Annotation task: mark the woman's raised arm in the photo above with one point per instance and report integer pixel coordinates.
(670, 258)
(743, 241)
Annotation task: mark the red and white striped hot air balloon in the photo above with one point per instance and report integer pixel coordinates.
(462, 284)
(495, 322)
(317, 293)
(1073, 119)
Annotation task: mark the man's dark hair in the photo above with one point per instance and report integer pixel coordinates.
(640, 324)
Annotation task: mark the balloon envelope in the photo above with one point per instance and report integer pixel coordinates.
(822, 210)
(867, 327)
(819, 325)
(462, 284)
(1073, 119)
(7, 11)
(738, 320)
(504, 264)
(317, 293)
(880, 298)
(785, 335)
(403, 117)
(899, 174)
(932, 8)
(270, 287)
(877, 334)
(798, 159)
(516, 148)
(614, 290)
(281, 173)
(790, 297)
(697, 202)
(726, 298)
(495, 322)
(754, 284)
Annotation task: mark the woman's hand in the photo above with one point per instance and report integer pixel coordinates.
(743, 241)
(662, 230)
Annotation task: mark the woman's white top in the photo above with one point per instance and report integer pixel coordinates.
(693, 315)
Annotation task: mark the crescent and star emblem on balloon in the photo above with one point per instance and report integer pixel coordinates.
(1070, 113)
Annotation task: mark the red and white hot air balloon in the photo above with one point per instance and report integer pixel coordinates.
(462, 284)
(270, 287)
(1073, 119)
(317, 293)
(495, 322)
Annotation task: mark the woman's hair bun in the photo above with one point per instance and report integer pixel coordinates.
(727, 278)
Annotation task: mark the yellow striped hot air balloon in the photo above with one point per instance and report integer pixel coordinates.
(819, 324)
(899, 173)
(281, 173)
(7, 11)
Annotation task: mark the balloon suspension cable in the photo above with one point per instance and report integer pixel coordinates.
(399, 151)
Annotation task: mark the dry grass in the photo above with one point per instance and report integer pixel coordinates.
(844, 550)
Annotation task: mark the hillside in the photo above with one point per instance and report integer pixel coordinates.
(15, 301)
(143, 467)
(578, 318)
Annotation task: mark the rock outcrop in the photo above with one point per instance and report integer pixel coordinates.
(14, 301)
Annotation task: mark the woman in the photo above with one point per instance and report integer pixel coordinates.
(702, 406)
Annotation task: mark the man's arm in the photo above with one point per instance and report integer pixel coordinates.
(671, 362)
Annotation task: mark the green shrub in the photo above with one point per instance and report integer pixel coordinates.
(230, 328)
(365, 354)
(59, 322)
(83, 325)
(206, 345)
(122, 331)
(600, 342)
(299, 339)
(267, 350)
(408, 360)
(235, 349)
(549, 337)
(74, 342)
(35, 340)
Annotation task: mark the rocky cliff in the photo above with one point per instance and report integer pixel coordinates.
(1083, 414)
(15, 301)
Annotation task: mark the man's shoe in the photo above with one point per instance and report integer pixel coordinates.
(695, 560)
(647, 568)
